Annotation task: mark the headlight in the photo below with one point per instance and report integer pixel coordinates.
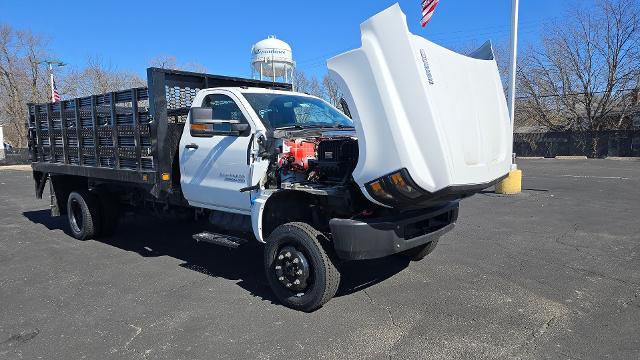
(394, 188)
(376, 189)
(402, 182)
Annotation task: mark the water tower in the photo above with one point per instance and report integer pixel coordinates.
(272, 58)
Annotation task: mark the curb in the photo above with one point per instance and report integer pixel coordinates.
(571, 157)
(16, 167)
(620, 158)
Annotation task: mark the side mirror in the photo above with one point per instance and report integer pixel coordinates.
(201, 115)
(239, 127)
(203, 124)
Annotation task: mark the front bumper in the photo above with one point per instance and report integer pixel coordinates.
(379, 237)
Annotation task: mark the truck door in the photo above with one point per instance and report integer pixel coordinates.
(214, 168)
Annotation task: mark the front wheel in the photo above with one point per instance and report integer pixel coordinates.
(300, 271)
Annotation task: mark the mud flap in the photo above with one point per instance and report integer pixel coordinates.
(40, 180)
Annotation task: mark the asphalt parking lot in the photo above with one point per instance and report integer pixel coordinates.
(551, 273)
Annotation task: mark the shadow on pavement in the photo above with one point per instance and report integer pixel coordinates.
(151, 237)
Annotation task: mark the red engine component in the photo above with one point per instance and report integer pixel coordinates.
(301, 151)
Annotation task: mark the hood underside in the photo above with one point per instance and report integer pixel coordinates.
(439, 115)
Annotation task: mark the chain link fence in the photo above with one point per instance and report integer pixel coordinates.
(623, 143)
(16, 157)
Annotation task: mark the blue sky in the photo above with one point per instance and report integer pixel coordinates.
(219, 34)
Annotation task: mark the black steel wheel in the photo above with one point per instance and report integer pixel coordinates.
(420, 252)
(300, 270)
(83, 212)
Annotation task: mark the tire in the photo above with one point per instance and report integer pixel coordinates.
(420, 252)
(110, 213)
(83, 212)
(320, 277)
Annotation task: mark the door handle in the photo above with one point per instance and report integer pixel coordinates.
(191, 146)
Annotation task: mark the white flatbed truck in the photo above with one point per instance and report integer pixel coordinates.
(427, 127)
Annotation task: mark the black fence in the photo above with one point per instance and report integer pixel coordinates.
(16, 157)
(624, 143)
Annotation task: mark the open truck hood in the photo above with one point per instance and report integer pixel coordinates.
(438, 114)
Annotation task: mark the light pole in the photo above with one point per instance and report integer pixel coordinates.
(50, 63)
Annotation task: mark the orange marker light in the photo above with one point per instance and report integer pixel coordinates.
(378, 191)
(199, 127)
(402, 186)
(398, 180)
(376, 186)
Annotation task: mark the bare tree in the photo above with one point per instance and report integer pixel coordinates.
(305, 84)
(300, 82)
(332, 92)
(98, 77)
(170, 62)
(579, 79)
(21, 80)
(164, 62)
(315, 88)
(24, 79)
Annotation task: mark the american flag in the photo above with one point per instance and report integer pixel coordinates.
(55, 95)
(428, 7)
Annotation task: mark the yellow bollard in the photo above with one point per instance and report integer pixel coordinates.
(512, 184)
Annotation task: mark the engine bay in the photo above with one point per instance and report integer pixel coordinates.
(314, 159)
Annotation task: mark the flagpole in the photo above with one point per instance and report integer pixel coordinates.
(50, 64)
(512, 184)
(513, 62)
(53, 99)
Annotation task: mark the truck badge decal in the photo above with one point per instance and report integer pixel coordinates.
(427, 69)
(236, 178)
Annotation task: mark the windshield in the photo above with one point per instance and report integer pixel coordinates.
(281, 111)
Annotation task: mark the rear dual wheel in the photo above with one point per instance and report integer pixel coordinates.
(91, 214)
(83, 211)
(301, 272)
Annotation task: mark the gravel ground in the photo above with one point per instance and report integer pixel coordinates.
(551, 273)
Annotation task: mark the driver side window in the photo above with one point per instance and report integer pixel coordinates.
(224, 108)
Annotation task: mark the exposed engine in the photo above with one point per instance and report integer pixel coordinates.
(315, 160)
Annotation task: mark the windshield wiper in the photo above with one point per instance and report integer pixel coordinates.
(314, 126)
(297, 127)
